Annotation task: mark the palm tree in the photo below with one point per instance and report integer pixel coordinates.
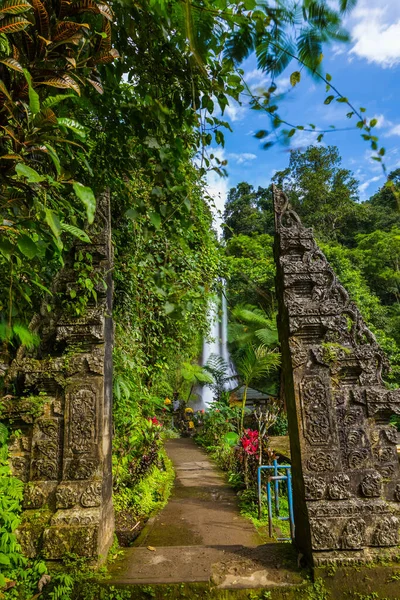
(254, 363)
(252, 325)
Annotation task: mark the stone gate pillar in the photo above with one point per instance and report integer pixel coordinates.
(346, 474)
(63, 410)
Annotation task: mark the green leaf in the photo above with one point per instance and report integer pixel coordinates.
(6, 248)
(291, 133)
(53, 100)
(328, 99)
(187, 204)
(4, 560)
(231, 438)
(328, 77)
(155, 219)
(373, 122)
(382, 152)
(131, 213)
(261, 134)
(34, 102)
(26, 336)
(27, 246)
(54, 157)
(73, 125)
(295, 78)
(79, 233)
(169, 308)
(31, 175)
(86, 196)
(53, 222)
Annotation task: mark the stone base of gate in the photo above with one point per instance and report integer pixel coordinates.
(364, 581)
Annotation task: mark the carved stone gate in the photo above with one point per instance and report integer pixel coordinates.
(60, 402)
(346, 474)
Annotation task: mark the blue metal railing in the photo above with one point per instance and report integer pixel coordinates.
(275, 479)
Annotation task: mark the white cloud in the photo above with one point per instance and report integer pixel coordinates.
(302, 139)
(244, 157)
(235, 111)
(382, 121)
(395, 130)
(375, 30)
(363, 186)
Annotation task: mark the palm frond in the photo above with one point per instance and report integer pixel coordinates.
(275, 52)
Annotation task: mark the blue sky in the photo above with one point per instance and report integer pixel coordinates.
(367, 71)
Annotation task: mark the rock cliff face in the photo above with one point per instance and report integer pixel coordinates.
(63, 410)
(346, 474)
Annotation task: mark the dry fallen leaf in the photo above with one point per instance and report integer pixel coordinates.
(151, 548)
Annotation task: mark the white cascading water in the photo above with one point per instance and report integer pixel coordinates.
(217, 344)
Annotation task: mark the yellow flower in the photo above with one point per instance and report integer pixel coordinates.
(188, 410)
(167, 401)
(191, 425)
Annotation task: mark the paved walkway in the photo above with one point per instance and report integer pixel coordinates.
(200, 535)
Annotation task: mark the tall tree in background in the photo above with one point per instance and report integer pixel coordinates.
(323, 192)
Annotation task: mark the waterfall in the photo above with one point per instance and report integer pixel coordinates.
(216, 343)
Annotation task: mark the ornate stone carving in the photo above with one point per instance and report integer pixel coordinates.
(353, 535)
(371, 485)
(76, 517)
(317, 427)
(321, 462)
(82, 424)
(66, 497)
(44, 469)
(321, 535)
(81, 468)
(387, 471)
(45, 450)
(338, 406)
(358, 458)
(91, 497)
(314, 488)
(386, 532)
(20, 467)
(397, 493)
(338, 488)
(33, 497)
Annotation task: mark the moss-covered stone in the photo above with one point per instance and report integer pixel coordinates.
(30, 532)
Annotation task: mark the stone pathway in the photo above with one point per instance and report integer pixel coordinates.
(200, 535)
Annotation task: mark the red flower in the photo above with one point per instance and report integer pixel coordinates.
(155, 421)
(249, 441)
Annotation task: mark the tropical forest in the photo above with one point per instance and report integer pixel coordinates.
(199, 299)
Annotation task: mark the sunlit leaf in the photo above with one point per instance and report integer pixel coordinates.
(31, 175)
(86, 196)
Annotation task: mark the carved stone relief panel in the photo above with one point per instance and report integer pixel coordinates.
(45, 450)
(82, 420)
(316, 411)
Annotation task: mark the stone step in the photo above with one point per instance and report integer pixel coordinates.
(226, 567)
